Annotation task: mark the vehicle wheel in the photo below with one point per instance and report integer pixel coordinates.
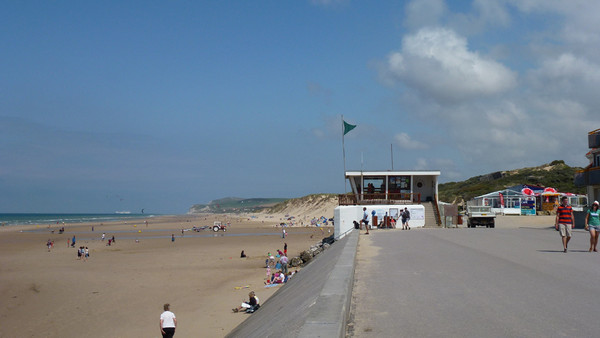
(224, 229)
(215, 228)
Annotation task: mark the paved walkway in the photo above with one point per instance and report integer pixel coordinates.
(475, 283)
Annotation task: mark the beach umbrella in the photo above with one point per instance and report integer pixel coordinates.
(527, 191)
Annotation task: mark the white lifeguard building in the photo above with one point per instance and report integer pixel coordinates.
(385, 194)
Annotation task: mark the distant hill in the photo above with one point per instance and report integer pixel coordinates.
(557, 175)
(235, 205)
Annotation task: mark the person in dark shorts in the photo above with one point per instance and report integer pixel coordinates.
(365, 220)
(168, 322)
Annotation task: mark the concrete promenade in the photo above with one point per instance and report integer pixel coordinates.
(314, 303)
(475, 283)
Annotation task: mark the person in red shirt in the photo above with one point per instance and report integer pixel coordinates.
(564, 221)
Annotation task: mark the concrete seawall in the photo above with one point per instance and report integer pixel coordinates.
(314, 303)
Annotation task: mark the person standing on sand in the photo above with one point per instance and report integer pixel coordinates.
(592, 223)
(103, 236)
(172, 237)
(73, 242)
(564, 222)
(284, 264)
(285, 249)
(283, 233)
(168, 322)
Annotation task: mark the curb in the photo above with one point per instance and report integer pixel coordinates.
(325, 318)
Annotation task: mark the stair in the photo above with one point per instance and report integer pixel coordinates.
(430, 221)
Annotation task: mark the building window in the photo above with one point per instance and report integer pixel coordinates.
(374, 185)
(399, 184)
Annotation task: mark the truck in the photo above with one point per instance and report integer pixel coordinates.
(480, 215)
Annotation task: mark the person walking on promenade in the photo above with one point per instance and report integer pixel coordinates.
(365, 220)
(592, 223)
(168, 322)
(564, 222)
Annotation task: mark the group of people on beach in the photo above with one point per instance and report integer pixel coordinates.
(110, 242)
(83, 253)
(278, 267)
(564, 223)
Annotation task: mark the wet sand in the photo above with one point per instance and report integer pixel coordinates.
(120, 290)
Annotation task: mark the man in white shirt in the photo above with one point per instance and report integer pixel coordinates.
(168, 322)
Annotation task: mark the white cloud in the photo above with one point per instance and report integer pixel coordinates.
(437, 63)
(579, 24)
(405, 142)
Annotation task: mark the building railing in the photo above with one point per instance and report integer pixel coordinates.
(380, 198)
(436, 211)
(594, 139)
(589, 176)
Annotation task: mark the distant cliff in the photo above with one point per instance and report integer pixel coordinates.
(235, 205)
(315, 204)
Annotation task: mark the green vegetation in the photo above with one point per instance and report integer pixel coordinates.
(557, 175)
(235, 204)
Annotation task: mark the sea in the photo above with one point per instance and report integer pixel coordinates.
(45, 219)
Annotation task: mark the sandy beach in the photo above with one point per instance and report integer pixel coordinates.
(119, 291)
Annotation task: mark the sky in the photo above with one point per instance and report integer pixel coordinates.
(123, 105)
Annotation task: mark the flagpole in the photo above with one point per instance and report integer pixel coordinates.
(344, 155)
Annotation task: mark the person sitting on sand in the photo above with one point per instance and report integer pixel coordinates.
(242, 255)
(252, 302)
(279, 278)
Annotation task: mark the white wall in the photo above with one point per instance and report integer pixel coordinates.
(507, 211)
(345, 215)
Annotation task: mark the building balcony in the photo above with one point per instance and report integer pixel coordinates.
(586, 177)
(594, 138)
(380, 198)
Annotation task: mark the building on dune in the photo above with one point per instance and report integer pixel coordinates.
(385, 194)
(589, 177)
(525, 199)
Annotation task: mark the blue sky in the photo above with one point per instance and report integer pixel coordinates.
(112, 106)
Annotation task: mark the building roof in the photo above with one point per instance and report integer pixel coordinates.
(394, 173)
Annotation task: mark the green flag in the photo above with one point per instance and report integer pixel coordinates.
(348, 127)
